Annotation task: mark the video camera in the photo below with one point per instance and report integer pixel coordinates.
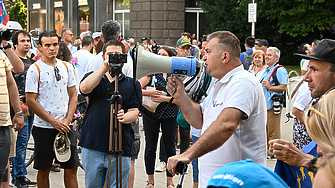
(116, 60)
(5, 35)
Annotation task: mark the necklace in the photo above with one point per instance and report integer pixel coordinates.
(258, 69)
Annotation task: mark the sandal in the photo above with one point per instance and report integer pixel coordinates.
(55, 168)
(150, 184)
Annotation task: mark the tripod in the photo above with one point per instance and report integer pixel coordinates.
(115, 131)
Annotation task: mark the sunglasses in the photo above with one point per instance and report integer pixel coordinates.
(57, 75)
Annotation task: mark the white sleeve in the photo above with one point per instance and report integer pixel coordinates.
(303, 98)
(71, 79)
(32, 79)
(305, 65)
(128, 67)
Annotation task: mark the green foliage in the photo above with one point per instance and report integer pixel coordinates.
(18, 13)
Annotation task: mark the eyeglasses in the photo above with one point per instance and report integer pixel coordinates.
(57, 75)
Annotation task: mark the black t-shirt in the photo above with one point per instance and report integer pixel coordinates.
(95, 130)
(155, 49)
(20, 78)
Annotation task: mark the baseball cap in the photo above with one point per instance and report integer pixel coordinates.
(183, 42)
(324, 51)
(62, 147)
(263, 42)
(144, 38)
(96, 34)
(245, 174)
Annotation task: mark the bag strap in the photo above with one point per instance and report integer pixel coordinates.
(275, 76)
(101, 98)
(67, 69)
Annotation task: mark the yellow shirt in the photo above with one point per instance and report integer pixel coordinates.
(4, 98)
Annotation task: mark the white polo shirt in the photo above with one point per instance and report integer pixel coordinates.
(241, 90)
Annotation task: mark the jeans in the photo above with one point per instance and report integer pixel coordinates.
(96, 163)
(195, 163)
(19, 169)
(151, 130)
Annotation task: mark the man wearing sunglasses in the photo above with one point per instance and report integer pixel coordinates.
(51, 94)
(320, 78)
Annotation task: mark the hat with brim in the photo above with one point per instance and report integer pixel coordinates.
(263, 42)
(183, 42)
(96, 34)
(324, 51)
(62, 147)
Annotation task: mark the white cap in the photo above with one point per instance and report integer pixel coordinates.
(96, 34)
(62, 147)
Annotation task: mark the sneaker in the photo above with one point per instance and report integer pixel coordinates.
(161, 167)
(18, 184)
(26, 181)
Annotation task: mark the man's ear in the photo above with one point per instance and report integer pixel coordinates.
(39, 47)
(225, 57)
(101, 38)
(119, 38)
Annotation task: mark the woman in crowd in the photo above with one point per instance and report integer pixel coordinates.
(258, 65)
(168, 122)
(320, 124)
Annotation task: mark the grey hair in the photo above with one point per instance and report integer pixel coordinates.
(111, 30)
(64, 31)
(276, 51)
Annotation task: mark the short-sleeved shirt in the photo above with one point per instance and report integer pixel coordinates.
(80, 60)
(304, 98)
(282, 79)
(52, 95)
(95, 130)
(172, 110)
(4, 98)
(20, 78)
(240, 90)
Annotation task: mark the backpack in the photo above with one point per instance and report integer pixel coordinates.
(247, 60)
(275, 80)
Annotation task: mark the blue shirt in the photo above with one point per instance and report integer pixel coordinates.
(242, 56)
(95, 130)
(282, 79)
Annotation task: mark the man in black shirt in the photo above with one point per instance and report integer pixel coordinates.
(154, 46)
(22, 44)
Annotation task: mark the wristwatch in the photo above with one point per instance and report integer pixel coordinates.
(8, 46)
(20, 113)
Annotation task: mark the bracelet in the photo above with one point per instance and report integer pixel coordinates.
(311, 165)
(7, 46)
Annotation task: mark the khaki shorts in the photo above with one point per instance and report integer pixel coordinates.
(13, 137)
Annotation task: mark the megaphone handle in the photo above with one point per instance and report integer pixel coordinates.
(180, 77)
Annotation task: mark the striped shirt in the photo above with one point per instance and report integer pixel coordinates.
(4, 98)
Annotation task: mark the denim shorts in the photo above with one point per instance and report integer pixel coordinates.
(96, 163)
(4, 152)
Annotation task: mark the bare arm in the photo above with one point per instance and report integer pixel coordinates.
(278, 88)
(214, 137)
(14, 100)
(190, 110)
(73, 97)
(285, 151)
(298, 114)
(130, 116)
(87, 85)
(18, 66)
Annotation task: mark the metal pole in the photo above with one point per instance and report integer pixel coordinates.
(253, 25)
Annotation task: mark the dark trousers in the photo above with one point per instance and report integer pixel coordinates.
(184, 138)
(162, 150)
(151, 130)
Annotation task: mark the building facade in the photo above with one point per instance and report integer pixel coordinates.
(162, 20)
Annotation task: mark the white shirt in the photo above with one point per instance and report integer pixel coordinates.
(80, 60)
(258, 74)
(96, 62)
(304, 98)
(241, 90)
(52, 95)
(305, 65)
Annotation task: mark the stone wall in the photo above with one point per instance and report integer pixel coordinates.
(162, 20)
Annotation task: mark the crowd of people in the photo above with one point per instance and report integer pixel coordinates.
(231, 113)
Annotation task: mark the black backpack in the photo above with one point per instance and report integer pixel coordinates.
(247, 60)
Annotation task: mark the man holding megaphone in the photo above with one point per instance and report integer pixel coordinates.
(232, 117)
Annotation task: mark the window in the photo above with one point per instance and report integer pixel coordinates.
(37, 19)
(121, 14)
(195, 22)
(193, 3)
(84, 18)
(59, 20)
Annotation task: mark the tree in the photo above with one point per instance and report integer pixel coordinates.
(18, 13)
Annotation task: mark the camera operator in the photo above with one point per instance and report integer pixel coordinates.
(274, 81)
(95, 130)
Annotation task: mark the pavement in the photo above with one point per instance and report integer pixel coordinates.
(56, 178)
